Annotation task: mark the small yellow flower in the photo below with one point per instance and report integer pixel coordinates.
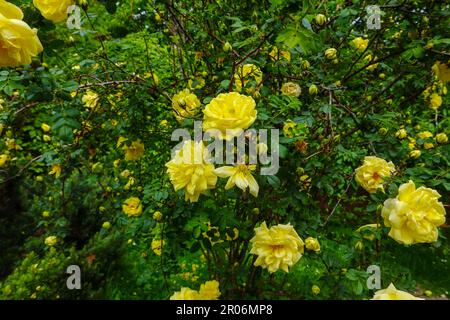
(227, 47)
(414, 215)
(331, 53)
(51, 241)
(56, 170)
(132, 207)
(415, 154)
(246, 73)
(239, 175)
(135, 151)
(90, 99)
(279, 247)
(320, 19)
(185, 105)
(157, 246)
(229, 113)
(277, 54)
(164, 123)
(313, 89)
(435, 101)
(441, 71)
(4, 158)
(401, 134)
(312, 244)
(372, 174)
(12, 145)
(45, 214)
(428, 145)
(130, 183)
(441, 138)
(46, 138)
(185, 294)
(360, 43)
(157, 216)
(288, 127)
(391, 293)
(106, 225)
(209, 291)
(291, 89)
(425, 134)
(315, 290)
(45, 127)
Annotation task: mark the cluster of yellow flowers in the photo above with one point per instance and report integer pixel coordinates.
(18, 42)
(433, 94)
(208, 291)
(191, 168)
(414, 214)
(427, 140)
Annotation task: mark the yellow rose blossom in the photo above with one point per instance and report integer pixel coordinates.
(279, 247)
(209, 291)
(425, 134)
(90, 99)
(18, 42)
(360, 43)
(157, 246)
(46, 138)
(4, 158)
(312, 244)
(56, 170)
(185, 105)
(372, 174)
(441, 71)
(276, 54)
(414, 214)
(230, 113)
(54, 10)
(239, 175)
(157, 216)
(132, 207)
(291, 89)
(401, 134)
(185, 294)
(135, 151)
(246, 73)
(415, 154)
(435, 101)
(441, 138)
(315, 290)
(391, 293)
(191, 169)
(12, 145)
(51, 241)
(331, 53)
(320, 19)
(428, 145)
(45, 127)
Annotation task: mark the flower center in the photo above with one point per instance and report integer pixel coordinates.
(376, 176)
(276, 246)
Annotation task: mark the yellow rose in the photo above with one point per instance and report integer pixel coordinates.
(414, 214)
(54, 10)
(360, 43)
(415, 154)
(56, 170)
(276, 54)
(435, 101)
(230, 113)
(19, 43)
(185, 294)
(428, 145)
(106, 225)
(45, 127)
(51, 241)
(191, 169)
(425, 134)
(4, 158)
(157, 246)
(209, 291)
(331, 53)
(132, 207)
(157, 216)
(391, 293)
(90, 99)
(320, 19)
(279, 247)
(291, 89)
(185, 105)
(372, 173)
(315, 290)
(135, 151)
(441, 138)
(312, 244)
(441, 71)
(401, 134)
(246, 73)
